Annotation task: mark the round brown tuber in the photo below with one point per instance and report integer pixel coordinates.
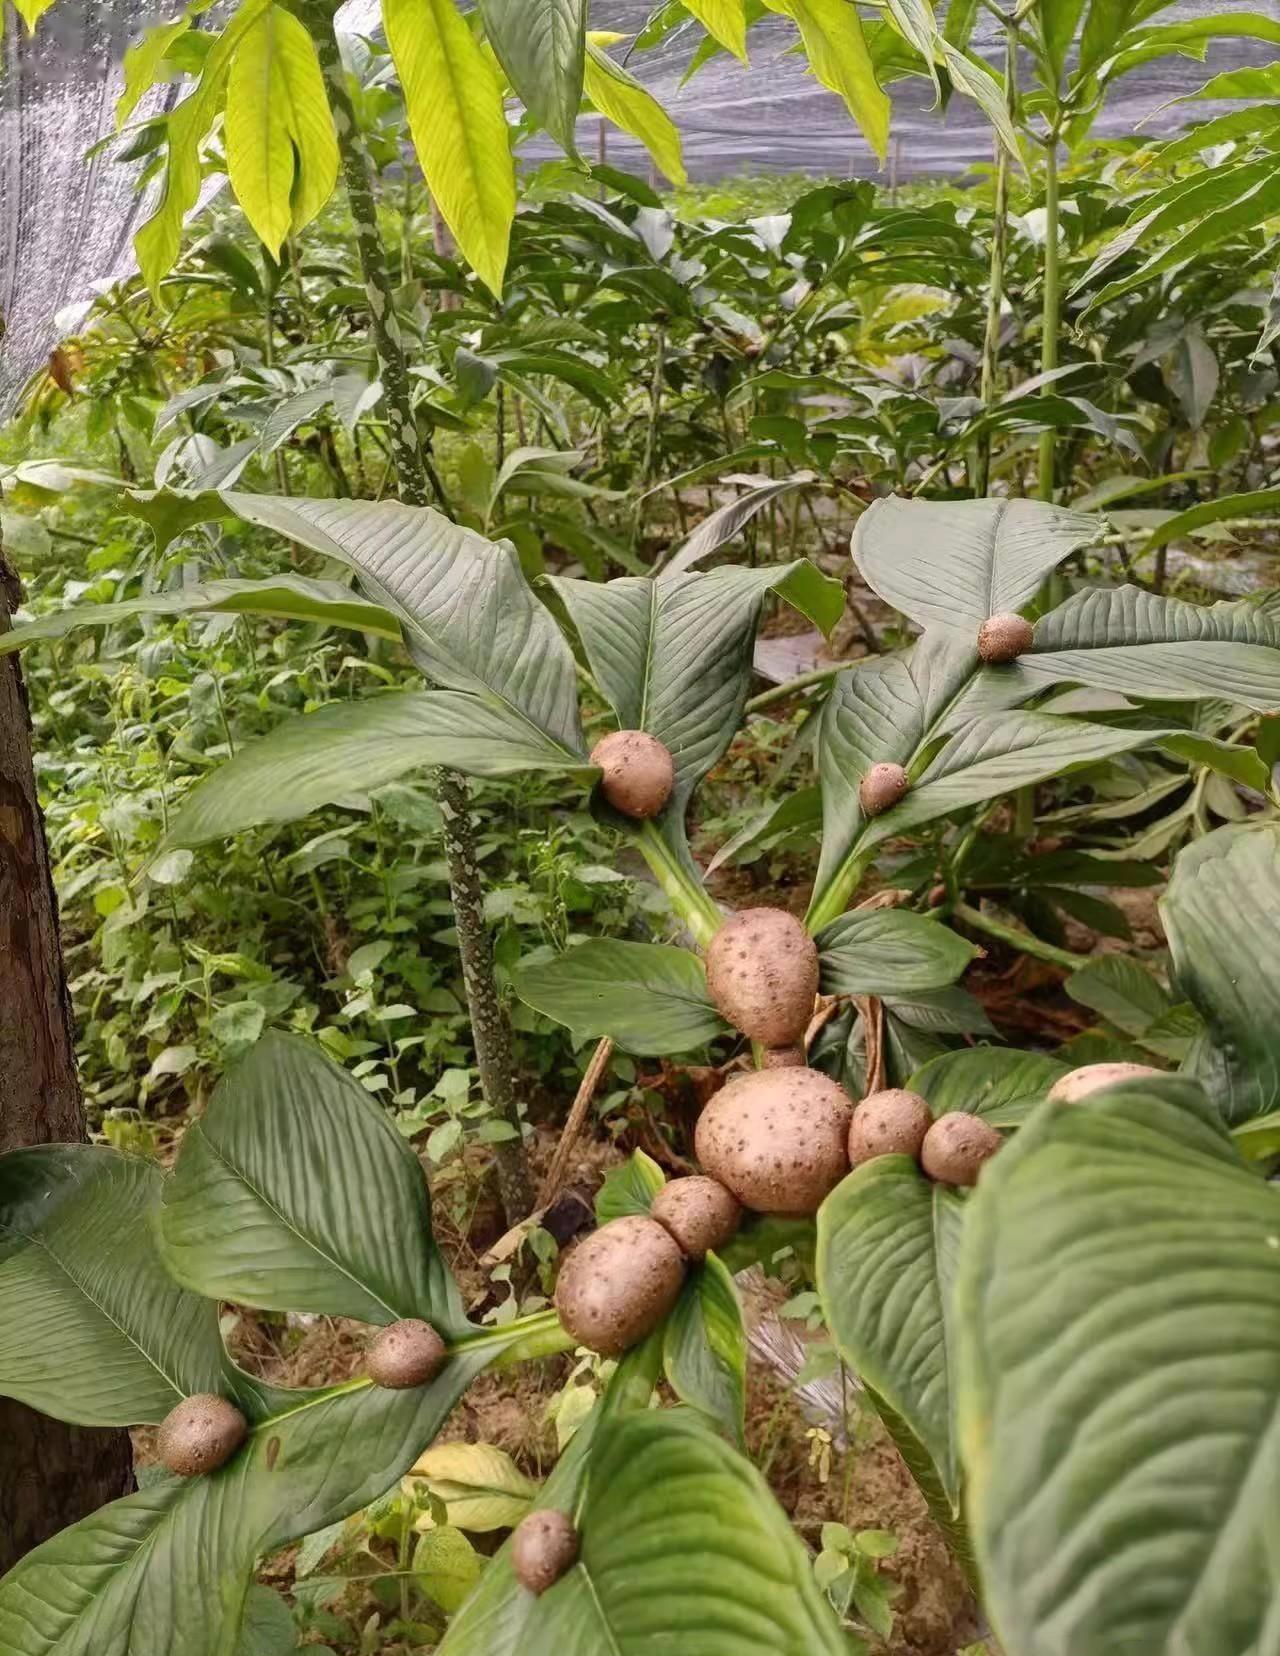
(543, 1548)
(762, 974)
(618, 1284)
(1003, 638)
(639, 772)
(406, 1353)
(1082, 1083)
(889, 1123)
(956, 1147)
(200, 1434)
(700, 1214)
(784, 1057)
(777, 1139)
(882, 787)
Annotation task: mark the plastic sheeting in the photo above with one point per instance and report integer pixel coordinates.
(66, 223)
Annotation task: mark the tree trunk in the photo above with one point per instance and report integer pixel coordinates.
(50, 1474)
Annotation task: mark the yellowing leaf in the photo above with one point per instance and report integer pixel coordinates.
(282, 151)
(840, 59)
(725, 21)
(142, 60)
(447, 1566)
(480, 1485)
(460, 132)
(159, 239)
(31, 11)
(621, 99)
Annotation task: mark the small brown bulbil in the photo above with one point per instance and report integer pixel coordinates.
(200, 1434)
(784, 1057)
(889, 1123)
(882, 787)
(406, 1353)
(543, 1548)
(778, 1139)
(956, 1146)
(1082, 1083)
(639, 772)
(1003, 638)
(762, 974)
(700, 1214)
(618, 1284)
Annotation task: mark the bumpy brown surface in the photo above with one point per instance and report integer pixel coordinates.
(785, 1057)
(406, 1353)
(762, 974)
(956, 1146)
(618, 1284)
(882, 787)
(700, 1214)
(1092, 1078)
(543, 1547)
(639, 772)
(1004, 638)
(889, 1123)
(200, 1434)
(777, 1139)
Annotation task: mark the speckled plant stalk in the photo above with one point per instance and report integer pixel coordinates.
(491, 1030)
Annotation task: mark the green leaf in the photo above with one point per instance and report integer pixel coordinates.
(651, 998)
(705, 1348)
(727, 521)
(347, 749)
(248, 1217)
(454, 103)
(446, 1566)
(1222, 510)
(996, 1083)
(952, 564)
(541, 45)
(142, 62)
(1118, 989)
(977, 80)
(839, 57)
(890, 952)
(471, 620)
(1221, 913)
(887, 1248)
(621, 99)
(278, 121)
(1058, 21)
(268, 1627)
(1118, 1313)
(629, 1189)
(92, 1328)
(725, 21)
(159, 239)
(291, 597)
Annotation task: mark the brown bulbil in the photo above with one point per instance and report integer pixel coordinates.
(200, 1434)
(762, 974)
(786, 1057)
(956, 1146)
(882, 787)
(700, 1214)
(777, 1139)
(889, 1123)
(543, 1548)
(1003, 638)
(1082, 1083)
(406, 1353)
(639, 772)
(618, 1284)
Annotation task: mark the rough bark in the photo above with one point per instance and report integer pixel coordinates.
(50, 1474)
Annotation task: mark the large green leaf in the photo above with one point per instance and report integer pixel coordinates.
(346, 749)
(541, 45)
(471, 620)
(293, 1191)
(282, 151)
(951, 564)
(290, 597)
(621, 99)
(454, 104)
(890, 952)
(683, 1548)
(1118, 1318)
(997, 1083)
(887, 1249)
(705, 1348)
(1221, 913)
(166, 1572)
(840, 58)
(649, 997)
(726, 521)
(92, 1328)
(1223, 509)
